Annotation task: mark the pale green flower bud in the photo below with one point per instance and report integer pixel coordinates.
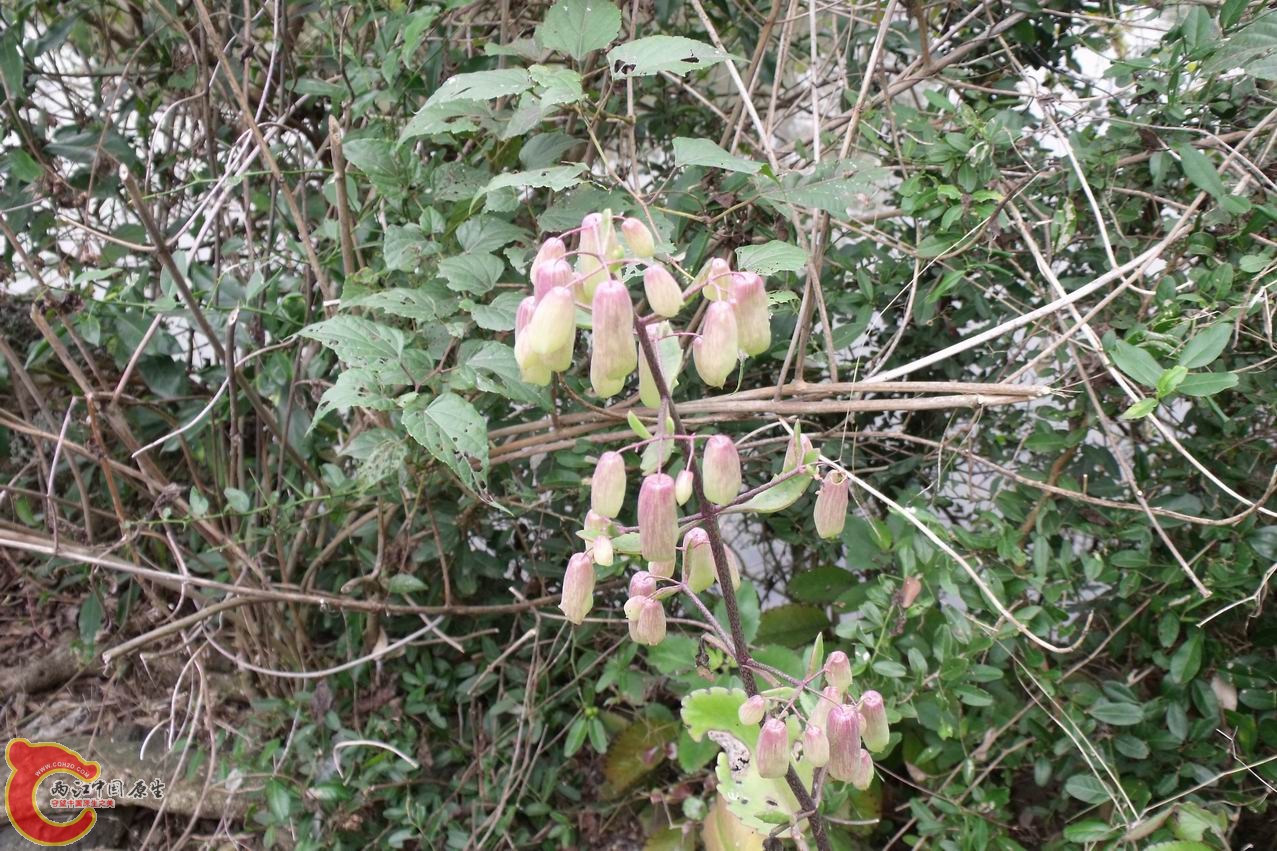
(716, 275)
(553, 324)
(578, 588)
(596, 524)
(638, 238)
(771, 755)
(862, 770)
(650, 627)
(662, 291)
(614, 353)
(816, 746)
(796, 452)
(593, 247)
(532, 367)
(715, 350)
(663, 569)
(753, 322)
(838, 671)
(603, 553)
(698, 560)
(830, 697)
(683, 487)
(830, 512)
(607, 485)
(720, 470)
(752, 710)
(874, 713)
(633, 606)
(658, 519)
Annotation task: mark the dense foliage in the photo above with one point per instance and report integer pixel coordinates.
(260, 410)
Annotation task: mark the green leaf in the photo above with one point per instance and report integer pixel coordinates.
(555, 178)
(481, 85)
(198, 502)
(575, 737)
(358, 341)
(1198, 29)
(354, 388)
(278, 801)
(422, 304)
(576, 27)
(1086, 788)
(654, 54)
(556, 85)
(458, 116)
(1187, 660)
(485, 234)
(1140, 409)
(1206, 346)
(792, 624)
(716, 709)
(1169, 380)
(1201, 171)
(90, 618)
(640, 748)
(780, 496)
(1116, 714)
(835, 186)
(1090, 830)
(23, 166)
(498, 314)
(405, 583)
(1207, 383)
(1136, 362)
(404, 247)
(689, 151)
(453, 432)
(12, 70)
(237, 500)
(471, 273)
(821, 585)
(771, 257)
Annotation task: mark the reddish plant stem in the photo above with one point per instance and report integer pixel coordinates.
(709, 521)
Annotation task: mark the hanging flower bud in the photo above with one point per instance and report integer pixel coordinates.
(552, 249)
(714, 351)
(909, 591)
(614, 355)
(838, 671)
(547, 276)
(642, 584)
(720, 469)
(638, 238)
(592, 252)
(874, 713)
(753, 323)
(752, 710)
(607, 485)
(716, 276)
(657, 519)
(831, 505)
(683, 487)
(553, 322)
(698, 560)
(532, 367)
(663, 569)
(771, 756)
(796, 452)
(663, 294)
(578, 588)
(603, 553)
(596, 524)
(830, 697)
(650, 627)
(815, 746)
(862, 770)
(733, 568)
(843, 731)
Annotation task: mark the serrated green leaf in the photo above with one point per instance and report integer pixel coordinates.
(656, 53)
(688, 151)
(577, 27)
(358, 341)
(835, 186)
(771, 257)
(453, 432)
(481, 85)
(471, 273)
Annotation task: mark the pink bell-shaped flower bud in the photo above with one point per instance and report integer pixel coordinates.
(614, 355)
(607, 485)
(638, 238)
(843, 731)
(909, 591)
(578, 588)
(798, 449)
(553, 322)
(663, 569)
(596, 524)
(753, 322)
(816, 746)
(662, 291)
(716, 276)
(603, 552)
(862, 770)
(658, 519)
(683, 487)
(771, 755)
(752, 710)
(698, 560)
(546, 276)
(552, 249)
(831, 505)
(874, 713)
(532, 367)
(715, 350)
(642, 584)
(633, 606)
(593, 247)
(830, 697)
(720, 469)
(838, 671)
(650, 627)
